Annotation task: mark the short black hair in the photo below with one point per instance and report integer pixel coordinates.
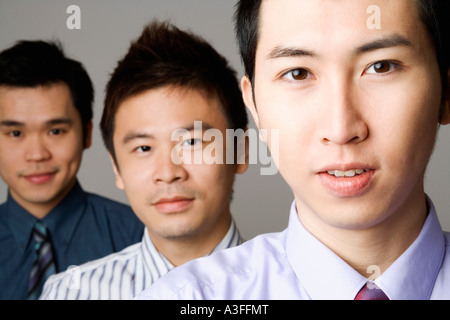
(164, 55)
(29, 64)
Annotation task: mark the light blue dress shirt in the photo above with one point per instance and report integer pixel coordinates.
(293, 264)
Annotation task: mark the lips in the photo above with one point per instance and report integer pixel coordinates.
(174, 204)
(347, 180)
(348, 173)
(39, 178)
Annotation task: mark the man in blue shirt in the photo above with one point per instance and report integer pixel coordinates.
(358, 90)
(45, 125)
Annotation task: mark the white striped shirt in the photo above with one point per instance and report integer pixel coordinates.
(121, 275)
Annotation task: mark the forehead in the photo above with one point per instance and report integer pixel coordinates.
(36, 103)
(165, 109)
(333, 24)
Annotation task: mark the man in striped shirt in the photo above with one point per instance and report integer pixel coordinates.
(165, 100)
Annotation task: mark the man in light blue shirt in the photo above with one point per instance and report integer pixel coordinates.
(358, 92)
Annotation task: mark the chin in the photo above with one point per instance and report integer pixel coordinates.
(179, 232)
(355, 220)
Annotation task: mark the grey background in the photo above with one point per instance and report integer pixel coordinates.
(261, 203)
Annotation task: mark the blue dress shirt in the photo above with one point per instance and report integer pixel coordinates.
(83, 227)
(293, 264)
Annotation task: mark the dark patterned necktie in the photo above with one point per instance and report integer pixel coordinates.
(44, 264)
(370, 291)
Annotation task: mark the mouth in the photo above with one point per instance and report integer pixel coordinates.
(348, 173)
(39, 178)
(175, 204)
(345, 182)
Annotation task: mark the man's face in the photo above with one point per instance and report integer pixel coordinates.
(349, 100)
(41, 145)
(175, 200)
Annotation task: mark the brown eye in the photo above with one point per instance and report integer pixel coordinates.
(15, 133)
(299, 74)
(143, 149)
(382, 67)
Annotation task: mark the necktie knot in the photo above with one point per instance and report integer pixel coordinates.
(44, 264)
(371, 291)
(40, 235)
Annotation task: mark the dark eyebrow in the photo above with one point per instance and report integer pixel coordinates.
(11, 123)
(57, 121)
(136, 135)
(143, 135)
(279, 52)
(392, 41)
(205, 126)
(389, 42)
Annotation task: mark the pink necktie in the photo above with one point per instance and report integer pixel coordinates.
(371, 292)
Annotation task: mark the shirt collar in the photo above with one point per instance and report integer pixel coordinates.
(231, 239)
(413, 274)
(61, 220)
(325, 276)
(20, 222)
(154, 260)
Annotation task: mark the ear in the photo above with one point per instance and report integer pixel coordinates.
(88, 137)
(247, 95)
(242, 167)
(446, 111)
(119, 181)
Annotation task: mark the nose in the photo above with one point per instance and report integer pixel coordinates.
(37, 149)
(344, 122)
(166, 170)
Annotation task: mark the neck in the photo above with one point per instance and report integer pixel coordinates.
(41, 208)
(373, 249)
(181, 249)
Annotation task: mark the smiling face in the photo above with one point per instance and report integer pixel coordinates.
(41, 145)
(357, 108)
(175, 201)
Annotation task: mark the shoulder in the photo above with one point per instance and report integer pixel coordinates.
(445, 266)
(221, 273)
(78, 280)
(2, 211)
(112, 210)
(447, 241)
(107, 203)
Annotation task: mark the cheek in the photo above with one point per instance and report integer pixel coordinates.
(135, 178)
(288, 130)
(8, 168)
(70, 157)
(414, 111)
(404, 131)
(211, 181)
